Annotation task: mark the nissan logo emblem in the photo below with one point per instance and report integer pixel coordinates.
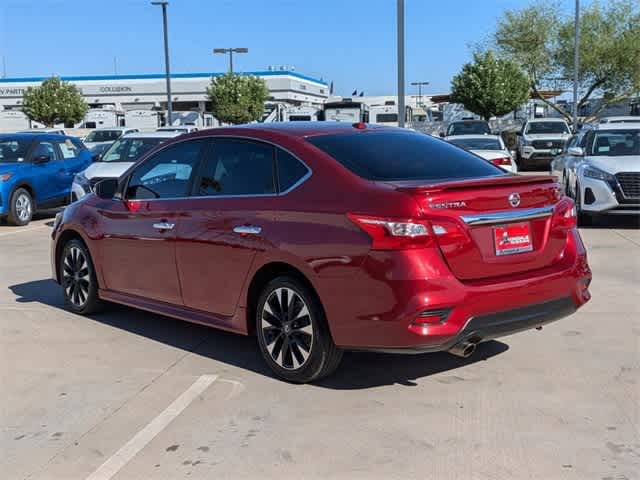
(514, 200)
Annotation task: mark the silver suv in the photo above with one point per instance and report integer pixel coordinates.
(539, 139)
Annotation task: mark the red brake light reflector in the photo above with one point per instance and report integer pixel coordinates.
(393, 233)
(565, 215)
(502, 161)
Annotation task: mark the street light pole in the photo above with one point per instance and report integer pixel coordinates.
(230, 51)
(163, 4)
(400, 33)
(419, 85)
(576, 65)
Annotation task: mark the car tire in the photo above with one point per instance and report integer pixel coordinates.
(296, 343)
(78, 278)
(21, 208)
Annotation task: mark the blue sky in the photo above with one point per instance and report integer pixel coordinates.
(349, 42)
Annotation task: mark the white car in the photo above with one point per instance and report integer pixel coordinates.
(116, 160)
(600, 169)
(489, 147)
(105, 135)
(538, 140)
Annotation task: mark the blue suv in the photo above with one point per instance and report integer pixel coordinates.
(36, 172)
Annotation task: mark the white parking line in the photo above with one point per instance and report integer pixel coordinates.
(20, 230)
(130, 449)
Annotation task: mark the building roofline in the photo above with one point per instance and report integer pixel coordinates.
(154, 76)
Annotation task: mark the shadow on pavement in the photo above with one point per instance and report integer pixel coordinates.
(620, 222)
(357, 371)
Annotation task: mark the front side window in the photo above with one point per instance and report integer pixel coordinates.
(68, 149)
(616, 143)
(402, 155)
(46, 149)
(538, 128)
(167, 174)
(237, 167)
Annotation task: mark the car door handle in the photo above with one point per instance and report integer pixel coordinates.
(247, 230)
(164, 226)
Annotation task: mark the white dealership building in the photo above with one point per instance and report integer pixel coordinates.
(148, 91)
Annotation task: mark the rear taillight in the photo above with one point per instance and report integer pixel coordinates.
(501, 162)
(565, 215)
(394, 233)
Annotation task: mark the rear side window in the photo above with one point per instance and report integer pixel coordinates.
(290, 170)
(403, 155)
(237, 167)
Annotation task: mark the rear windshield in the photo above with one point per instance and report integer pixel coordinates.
(402, 155)
(477, 143)
(103, 136)
(468, 128)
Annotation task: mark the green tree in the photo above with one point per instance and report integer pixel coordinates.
(490, 86)
(54, 101)
(540, 39)
(237, 98)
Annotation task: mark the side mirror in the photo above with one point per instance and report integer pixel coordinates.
(96, 158)
(576, 151)
(513, 153)
(40, 159)
(442, 135)
(106, 189)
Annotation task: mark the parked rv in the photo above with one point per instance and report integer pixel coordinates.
(143, 119)
(13, 120)
(387, 114)
(346, 111)
(102, 118)
(301, 113)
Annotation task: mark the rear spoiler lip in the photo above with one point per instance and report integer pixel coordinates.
(474, 183)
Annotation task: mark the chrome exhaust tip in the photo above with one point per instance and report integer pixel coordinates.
(463, 349)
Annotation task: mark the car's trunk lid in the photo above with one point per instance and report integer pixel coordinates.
(467, 215)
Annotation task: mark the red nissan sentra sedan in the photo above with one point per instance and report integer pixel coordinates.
(324, 237)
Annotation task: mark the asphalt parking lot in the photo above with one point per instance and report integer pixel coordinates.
(132, 395)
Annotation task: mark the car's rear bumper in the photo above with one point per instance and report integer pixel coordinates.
(383, 307)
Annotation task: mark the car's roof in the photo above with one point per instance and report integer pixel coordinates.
(307, 129)
(616, 126)
(618, 118)
(41, 130)
(32, 136)
(156, 134)
(111, 129)
(472, 136)
(469, 120)
(546, 119)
